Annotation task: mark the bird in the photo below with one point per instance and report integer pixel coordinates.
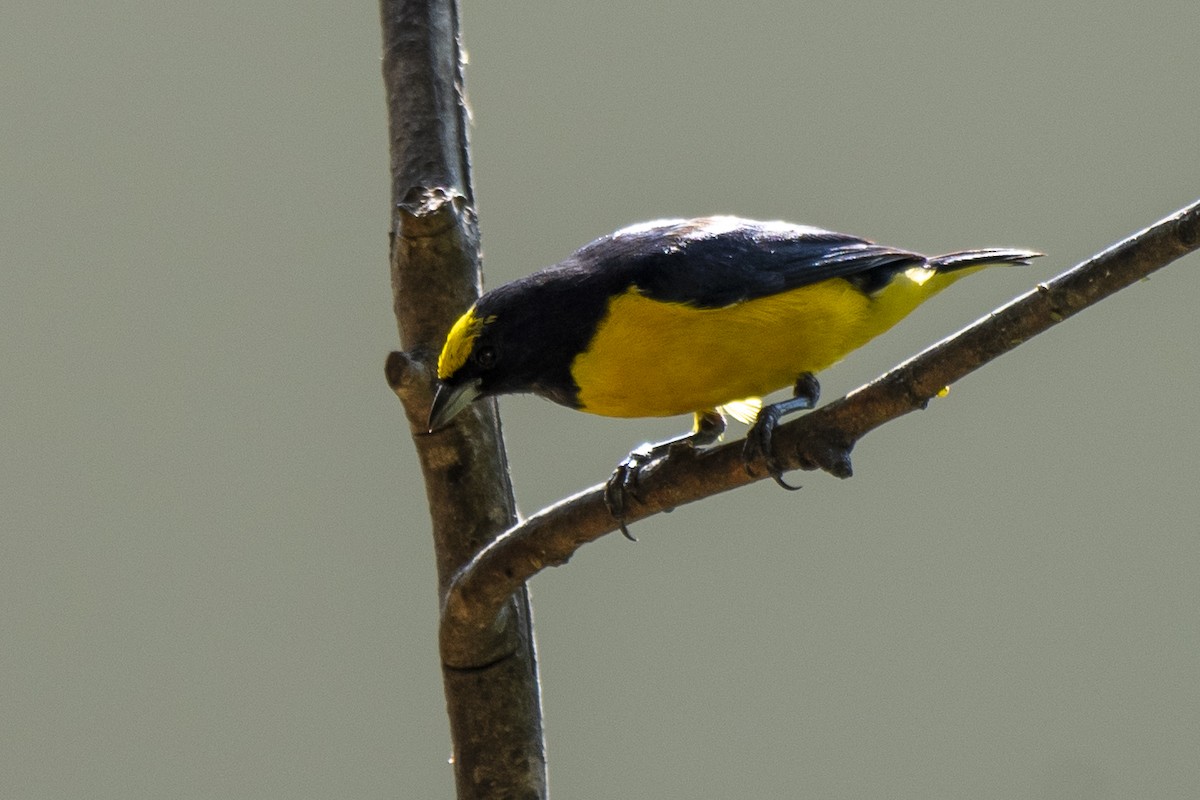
(701, 316)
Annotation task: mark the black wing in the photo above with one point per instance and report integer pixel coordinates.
(718, 261)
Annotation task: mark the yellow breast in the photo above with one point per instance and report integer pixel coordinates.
(655, 359)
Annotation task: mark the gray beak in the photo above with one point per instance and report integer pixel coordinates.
(449, 400)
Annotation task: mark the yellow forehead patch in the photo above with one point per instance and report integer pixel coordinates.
(459, 342)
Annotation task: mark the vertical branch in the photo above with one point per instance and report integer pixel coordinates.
(490, 676)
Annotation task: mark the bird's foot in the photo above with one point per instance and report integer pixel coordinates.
(622, 485)
(760, 444)
(760, 438)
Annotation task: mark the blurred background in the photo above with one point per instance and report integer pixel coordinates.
(216, 578)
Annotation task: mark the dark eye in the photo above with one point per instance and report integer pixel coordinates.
(484, 356)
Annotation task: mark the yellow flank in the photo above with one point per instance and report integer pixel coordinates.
(458, 345)
(655, 359)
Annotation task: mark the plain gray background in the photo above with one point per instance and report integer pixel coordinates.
(216, 579)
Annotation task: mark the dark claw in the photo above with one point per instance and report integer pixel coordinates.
(616, 500)
(623, 486)
(760, 442)
(760, 438)
(778, 478)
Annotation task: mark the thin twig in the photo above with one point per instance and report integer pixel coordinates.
(821, 439)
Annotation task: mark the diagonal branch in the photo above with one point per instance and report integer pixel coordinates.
(822, 438)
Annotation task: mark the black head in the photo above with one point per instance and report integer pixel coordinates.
(521, 337)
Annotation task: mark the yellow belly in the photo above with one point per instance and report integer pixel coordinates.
(654, 359)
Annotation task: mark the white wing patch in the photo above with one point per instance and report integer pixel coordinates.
(744, 411)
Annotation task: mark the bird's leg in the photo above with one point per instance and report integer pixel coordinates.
(623, 485)
(759, 437)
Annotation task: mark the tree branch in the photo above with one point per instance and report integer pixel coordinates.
(490, 676)
(820, 439)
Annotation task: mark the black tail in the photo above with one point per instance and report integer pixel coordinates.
(973, 258)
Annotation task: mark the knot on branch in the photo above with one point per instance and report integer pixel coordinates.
(429, 211)
(473, 636)
(1186, 229)
(410, 376)
(824, 449)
